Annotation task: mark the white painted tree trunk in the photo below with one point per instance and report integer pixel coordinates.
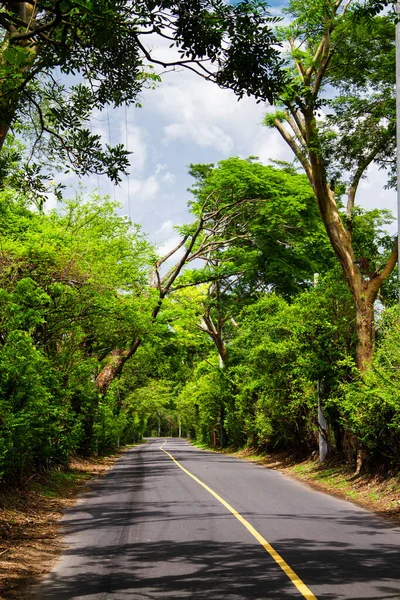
(323, 446)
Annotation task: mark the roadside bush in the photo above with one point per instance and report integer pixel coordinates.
(370, 407)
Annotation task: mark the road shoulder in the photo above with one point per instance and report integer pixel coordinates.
(377, 493)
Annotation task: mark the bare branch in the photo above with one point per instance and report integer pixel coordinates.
(187, 64)
(208, 279)
(299, 66)
(169, 254)
(346, 6)
(300, 134)
(383, 273)
(322, 70)
(292, 143)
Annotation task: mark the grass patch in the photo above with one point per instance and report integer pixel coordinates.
(59, 484)
(201, 445)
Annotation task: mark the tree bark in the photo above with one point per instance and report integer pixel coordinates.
(304, 140)
(365, 328)
(215, 333)
(26, 13)
(364, 291)
(115, 363)
(4, 127)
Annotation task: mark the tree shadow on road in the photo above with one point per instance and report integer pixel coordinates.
(110, 564)
(206, 569)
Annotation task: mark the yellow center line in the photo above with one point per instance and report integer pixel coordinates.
(295, 579)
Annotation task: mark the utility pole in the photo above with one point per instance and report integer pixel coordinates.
(322, 437)
(323, 446)
(398, 133)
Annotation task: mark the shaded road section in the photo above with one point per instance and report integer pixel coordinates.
(149, 531)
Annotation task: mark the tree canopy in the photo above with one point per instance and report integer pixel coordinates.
(104, 45)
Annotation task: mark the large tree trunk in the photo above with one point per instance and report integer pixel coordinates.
(299, 128)
(365, 328)
(26, 13)
(215, 333)
(115, 363)
(364, 290)
(4, 127)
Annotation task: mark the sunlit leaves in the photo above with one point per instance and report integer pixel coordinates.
(71, 288)
(104, 43)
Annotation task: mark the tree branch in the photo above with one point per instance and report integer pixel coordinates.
(378, 278)
(187, 64)
(362, 167)
(291, 142)
(299, 66)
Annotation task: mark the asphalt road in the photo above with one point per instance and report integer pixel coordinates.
(148, 530)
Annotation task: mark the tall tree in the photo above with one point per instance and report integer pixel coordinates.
(237, 206)
(198, 240)
(70, 289)
(271, 236)
(337, 115)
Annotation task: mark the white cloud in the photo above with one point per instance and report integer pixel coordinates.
(268, 145)
(189, 120)
(160, 169)
(136, 144)
(199, 112)
(165, 175)
(138, 190)
(169, 178)
(167, 246)
(144, 189)
(166, 227)
(50, 203)
(204, 135)
(101, 124)
(372, 193)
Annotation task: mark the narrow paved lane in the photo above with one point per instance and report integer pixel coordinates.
(148, 530)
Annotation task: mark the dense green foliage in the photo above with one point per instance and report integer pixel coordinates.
(276, 237)
(370, 407)
(103, 342)
(71, 287)
(237, 353)
(336, 113)
(280, 354)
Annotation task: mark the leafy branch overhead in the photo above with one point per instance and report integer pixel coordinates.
(106, 44)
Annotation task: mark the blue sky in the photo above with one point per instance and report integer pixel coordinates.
(188, 120)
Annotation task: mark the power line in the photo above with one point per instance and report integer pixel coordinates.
(109, 139)
(97, 175)
(127, 148)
